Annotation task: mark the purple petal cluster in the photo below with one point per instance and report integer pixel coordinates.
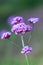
(21, 28)
(15, 20)
(5, 34)
(33, 20)
(26, 50)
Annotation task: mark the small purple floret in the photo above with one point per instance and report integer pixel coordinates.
(26, 49)
(5, 34)
(14, 20)
(33, 20)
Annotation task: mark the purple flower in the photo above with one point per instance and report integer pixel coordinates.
(21, 28)
(5, 34)
(33, 20)
(14, 20)
(26, 49)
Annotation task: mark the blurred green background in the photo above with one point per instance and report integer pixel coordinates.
(9, 53)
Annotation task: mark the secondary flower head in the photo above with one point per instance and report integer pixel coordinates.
(5, 34)
(14, 20)
(33, 20)
(21, 28)
(26, 49)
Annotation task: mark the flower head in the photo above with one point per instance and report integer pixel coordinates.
(33, 20)
(5, 34)
(14, 20)
(21, 28)
(26, 49)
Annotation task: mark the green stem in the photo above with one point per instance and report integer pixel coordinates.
(11, 41)
(31, 34)
(22, 40)
(30, 37)
(23, 46)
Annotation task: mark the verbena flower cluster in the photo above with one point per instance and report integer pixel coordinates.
(26, 49)
(19, 27)
(4, 34)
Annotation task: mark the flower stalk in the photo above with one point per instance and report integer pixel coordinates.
(23, 46)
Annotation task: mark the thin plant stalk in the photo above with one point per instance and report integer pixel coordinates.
(31, 34)
(30, 37)
(23, 46)
(12, 42)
